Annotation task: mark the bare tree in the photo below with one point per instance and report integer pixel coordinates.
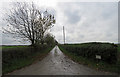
(28, 22)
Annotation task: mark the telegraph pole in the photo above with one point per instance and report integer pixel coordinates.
(63, 35)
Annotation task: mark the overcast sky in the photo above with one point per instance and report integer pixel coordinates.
(83, 21)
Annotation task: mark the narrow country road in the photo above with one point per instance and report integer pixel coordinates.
(56, 63)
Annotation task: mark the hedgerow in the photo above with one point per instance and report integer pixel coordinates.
(107, 51)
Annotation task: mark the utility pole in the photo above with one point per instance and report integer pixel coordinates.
(63, 35)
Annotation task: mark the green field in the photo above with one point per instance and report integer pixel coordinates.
(3, 47)
(16, 57)
(84, 54)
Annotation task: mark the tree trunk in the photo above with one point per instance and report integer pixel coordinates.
(32, 43)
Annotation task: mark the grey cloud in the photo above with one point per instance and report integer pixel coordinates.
(73, 17)
(9, 40)
(84, 22)
(98, 21)
(71, 14)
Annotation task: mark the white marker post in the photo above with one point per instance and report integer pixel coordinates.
(98, 57)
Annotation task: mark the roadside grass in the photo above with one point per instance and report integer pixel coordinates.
(98, 65)
(16, 61)
(16, 64)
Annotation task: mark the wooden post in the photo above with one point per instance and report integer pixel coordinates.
(63, 35)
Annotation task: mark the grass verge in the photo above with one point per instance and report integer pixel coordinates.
(99, 65)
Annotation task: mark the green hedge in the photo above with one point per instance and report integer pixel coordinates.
(14, 57)
(19, 52)
(107, 51)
